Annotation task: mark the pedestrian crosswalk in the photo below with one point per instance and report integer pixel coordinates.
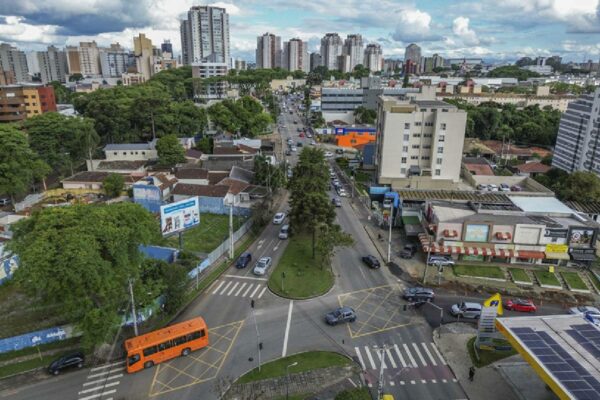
(102, 382)
(407, 355)
(253, 288)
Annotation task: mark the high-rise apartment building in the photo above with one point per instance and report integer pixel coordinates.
(373, 57)
(578, 141)
(73, 64)
(331, 49)
(295, 55)
(210, 91)
(15, 61)
(315, 60)
(354, 49)
(89, 59)
(113, 61)
(239, 65)
(167, 49)
(53, 65)
(412, 58)
(419, 143)
(144, 55)
(205, 35)
(268, 51)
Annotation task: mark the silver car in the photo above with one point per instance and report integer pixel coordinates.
(262, 266)
(466, 310)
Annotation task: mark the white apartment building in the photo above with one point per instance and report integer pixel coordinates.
(354, 49)
(295, 55)
(331, 48)
(113, 61)
(209, 91)
(268, 51)
(89, 58)
(205, 35)
(373, 57)
(419, 143)
(52, 64)
(15, 61)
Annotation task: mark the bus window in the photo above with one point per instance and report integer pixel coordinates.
(133, 359)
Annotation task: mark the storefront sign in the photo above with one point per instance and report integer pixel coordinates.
(581, 251)
(581, 237)
(557, 248)
(477, 233)
(556, 233)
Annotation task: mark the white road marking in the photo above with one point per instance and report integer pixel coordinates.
(101, 387)
(218, 287)
(247, 290)
(262, 292)
(95, 396)
(260, 243)
(232, 288)
(370, 357)
(225, 288)
(435, 349)
(240, 289)
(391, 358)
(107, 366)
(360, 359)
(369, 385)
(255, 290)
(381, 359)
(423, 381)
(352, 382)
(402, 382)
(433, 381)
(429, 354)
(412, 382)
(246, 277)
(276, 247)
(103, 380)
(454, 380)
(412, 360)
(287, 327)
(419, 354)
(392, 383)
(105, 373)
(444, 381)
(400, 355)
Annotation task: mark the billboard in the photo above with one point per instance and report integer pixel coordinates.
(149, 196)
(581, 237)
(179, 216)
(476, 233)
(557, 248)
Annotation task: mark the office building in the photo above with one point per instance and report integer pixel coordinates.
(331, 49)
(15, 61)
(419, 143)
(205, 35)
(113, 61)
(73, 64)
(268, 51)
(354, 49)
(295, 56)
(89, 59)
(392, 66)
(167, 49)
(53, 65)
(577, 144)
(412, 57)
(209, 91)
(373, 57)
(33, 65)
(240, 65)
(144, 56)
(18, 102)
(315, 60)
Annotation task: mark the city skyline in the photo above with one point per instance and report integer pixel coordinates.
(484, 29)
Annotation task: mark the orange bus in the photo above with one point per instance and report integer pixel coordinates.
(180, 339)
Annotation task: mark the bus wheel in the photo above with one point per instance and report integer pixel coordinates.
(185, 352)
(148, 364)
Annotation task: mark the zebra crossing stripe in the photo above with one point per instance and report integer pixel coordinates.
(412, 359)
(419, 354)
(370, 357)
(262, 292)
(400, 355)
(240, 289)
(218, 287)
(381, 359)
(225, 288)
(391, 358)
(232, 288)
(435, 349)
(429, 354)
(248, 290)
(255, 290)
(360, 359)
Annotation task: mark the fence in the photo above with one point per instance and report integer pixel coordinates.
(36, 338)
(215, 205)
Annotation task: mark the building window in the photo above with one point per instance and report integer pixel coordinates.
(439, 161)
(406, 125)
(403, 171)
(428, 123)
(427, 146)
(416, 135)
(423, 110)
(444, 110)
(403, 160)
(405, 148)
(425, 158)
(442, 138)
(124, 153)
(414, 157)
(415, 146)
(440, 150)
(427, 135)
(115, 153)
(438, 172)
(406, 137)
(143, 153)
(417, 123)
(443, 126)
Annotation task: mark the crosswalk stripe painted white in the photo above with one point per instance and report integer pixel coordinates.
(241, 288)
(400, 355)
(381, 359)
(262, 292)
(360, 359)
(370, 357)
(433, 381)
(419, 354)
(412, 382)
(247, 290)
(105, 373)
(218, 287)
(391, 358)
(103, 380)
(412, 359)
(438, 353)
(95, 396)
(255, 290)
(392, 383)
(232, 289)
(402, 382)
(101, 387)
(429, 354)
(225, 288)
(246, 277)
(423, 381)
(444, 381)
(107, 366)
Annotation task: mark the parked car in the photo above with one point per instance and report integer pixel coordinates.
(516, 188)
(4, 201)
(584, 310)
(520, 305)
(342, 192)
(72, 360)
(418, 294)
(299, 144)
(301, 134)
(504, 187)
(342, 314)
(328, 154)
(466, 310)
(492, 187)
(371, 261)
(244, 260)
(339, 151)
(409, 250)
(294, 148)
(284, 232)
(482, 186)
(336, 202)
(278, 218)
(262, 266)
(309, 135)
(298, 129)
(335, 182)
(440, 260)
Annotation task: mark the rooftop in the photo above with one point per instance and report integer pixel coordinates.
(543, 205)
(532, 167)
(587, 207)
(191, 173)
(188, 189)
(110, 165)
(129, 146)
(453, 195)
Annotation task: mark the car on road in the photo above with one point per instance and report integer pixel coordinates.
(299, 144)
(301, 134)
(371, 261)
(278, 218)
(298, 129)
(466, 310)
(262, 266)
(584, 310)
(284, 232)
(288, 152)
(342, 192)
(294, 148)
(521, 305)
(72, 360)
(335, 181)
(442, 261)
(408, 251)
(328, 154)
(342, 314)
(309, 135)
(419, 294)
(313, 143)
(244, 260)
(339, 151)
(4, 201)
(336, 202)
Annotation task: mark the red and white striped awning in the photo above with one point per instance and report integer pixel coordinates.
(427, 241)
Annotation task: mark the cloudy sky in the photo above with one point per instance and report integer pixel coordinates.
(492, 29)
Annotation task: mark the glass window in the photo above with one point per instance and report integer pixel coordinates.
(442, 138)
(133, 359)
(414, 157)
(148, 351)
(406, 137)
(416, 135)
(406, 125)
(440, 150)
(439, 161)
(405, 148)
(443, 126)
(418, 123)
(438, 172)
(444, 110)
(403, 170)
(403, 160)
(415, 146)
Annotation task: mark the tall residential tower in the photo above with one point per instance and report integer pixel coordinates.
(205, 35)
(268, 51)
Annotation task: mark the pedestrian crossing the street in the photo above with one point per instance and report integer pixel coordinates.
(102, 382)
(408, 355)
(253, 288)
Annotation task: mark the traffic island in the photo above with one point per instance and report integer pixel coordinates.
(298, 275)
(547, 280)
(574, 282)
(520, 277)
(492, 273)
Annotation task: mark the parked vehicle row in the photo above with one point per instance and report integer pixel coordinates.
(502, 188)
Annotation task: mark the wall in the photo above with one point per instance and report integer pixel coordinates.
(7, 268)
(528, 234)
(35, 338)
(130, 155)
(347, 117)
(215, 205)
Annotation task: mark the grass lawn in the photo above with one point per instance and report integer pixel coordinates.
(26, 366)
(211, 232)
(306, 362)
(574, 280)
(486, 357)
(479, 271)
(361, 393)
(519, 274)
(362, 176)
(546, 278)
(411, 220)
(303, 278)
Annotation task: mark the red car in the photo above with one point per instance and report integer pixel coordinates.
(520, 305)
(301, 134)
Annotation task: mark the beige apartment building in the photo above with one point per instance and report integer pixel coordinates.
(89, 59)
(419, 143)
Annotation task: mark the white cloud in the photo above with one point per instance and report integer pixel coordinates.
(460, 27)
(16, 30)
(414, 25)
(232, 9)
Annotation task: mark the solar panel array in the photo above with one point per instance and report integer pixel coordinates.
(568, 371)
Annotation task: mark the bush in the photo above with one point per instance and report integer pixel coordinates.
(354, 394)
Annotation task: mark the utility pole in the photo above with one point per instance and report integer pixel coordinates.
(381, 351)
(231, 229)
(258, 343)
(390, 221)
(135, 327)
(427, 261)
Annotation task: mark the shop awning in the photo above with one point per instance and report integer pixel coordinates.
(583, 256)
(530, 254)
(557, 256)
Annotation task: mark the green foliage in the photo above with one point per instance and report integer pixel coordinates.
(177, 81)
(82, 257)
(266, 174)
(581, 186)
(365, 116)
(245, 116)
(75, 77)
(360, 72)
(328, 237)
(168, 279)
(566, 88)
(170, 151)
(405, 80)
(361, 393)
(205, 144)
(512, 71)
(61, 93)
(113, 185)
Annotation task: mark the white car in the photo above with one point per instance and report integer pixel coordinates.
(294, 148)
(328, 154)
(313, 143)
(262, 266)
(585, 310)
(278, 218)
(342, 192)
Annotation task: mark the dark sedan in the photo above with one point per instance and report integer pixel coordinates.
(371, 261)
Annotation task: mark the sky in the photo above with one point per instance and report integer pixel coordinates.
(495, 30)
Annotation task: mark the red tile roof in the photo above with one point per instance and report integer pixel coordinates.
(533, 167)
(188, 189)
(191, 173)
(215, 177)
(479, 169)
(235, 186)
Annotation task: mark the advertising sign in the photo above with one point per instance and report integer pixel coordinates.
(149, 196)
(556, 233)
(581, 237)
(176, 217)
(557, 248)
(477, 233)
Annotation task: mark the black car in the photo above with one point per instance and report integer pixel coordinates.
(418, 294)
(288, 152)
(371, 261)
(299, 144)
(409, 250)
(73, 360)
(336, 202)
(243, 261)
(342, 314)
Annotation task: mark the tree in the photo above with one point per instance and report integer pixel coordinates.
(581, 186)
(205, 144)
(365, 116)
(113, 185)
(61, 93)
(328, 237)
(512, 71)
(405, 80)
(75, 77)
(266, 174)
(20, 166)
(360, 72)
(81, 257)
(170, 151)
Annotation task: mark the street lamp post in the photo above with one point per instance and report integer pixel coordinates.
(287, 380)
